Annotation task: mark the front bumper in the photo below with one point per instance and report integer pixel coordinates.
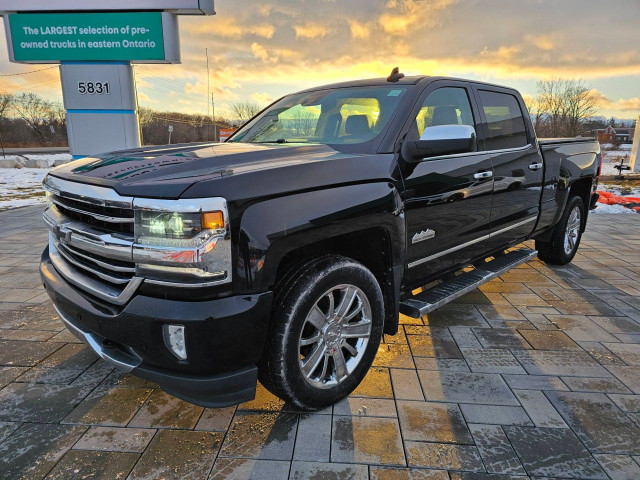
(224, 337)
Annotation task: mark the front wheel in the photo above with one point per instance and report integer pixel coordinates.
(325, 333)
(566, 235)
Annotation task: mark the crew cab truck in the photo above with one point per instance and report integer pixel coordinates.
(286, 252)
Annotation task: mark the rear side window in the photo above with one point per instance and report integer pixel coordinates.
(504, 121)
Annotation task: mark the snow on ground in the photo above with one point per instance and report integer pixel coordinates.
(626, 189)
(629, 189)
(49, 158)
(20, 187)
(603, 208)
(612, 156)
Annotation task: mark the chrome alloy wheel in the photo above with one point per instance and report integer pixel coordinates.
(334, 336)
(572, 231)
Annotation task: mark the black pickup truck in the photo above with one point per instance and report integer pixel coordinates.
(286, 252)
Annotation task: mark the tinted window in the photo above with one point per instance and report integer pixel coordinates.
(336, 116)
(445, 106)
(504, 121)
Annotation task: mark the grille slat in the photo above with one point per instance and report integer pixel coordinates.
(88, 269)
(103, 262)
(105, 218)
(64, 203)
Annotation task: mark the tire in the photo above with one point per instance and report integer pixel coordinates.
(301, 333)
(566, 235)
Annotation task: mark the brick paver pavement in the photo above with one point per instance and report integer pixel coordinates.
(535, 374)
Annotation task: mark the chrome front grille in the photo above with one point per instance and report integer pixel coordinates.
(91, 239)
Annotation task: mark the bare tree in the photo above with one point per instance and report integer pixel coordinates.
(35, 111)
(562, 107)
(304, 123)
(245, 110)
(6, 99)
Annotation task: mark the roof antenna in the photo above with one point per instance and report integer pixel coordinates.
(395, 75)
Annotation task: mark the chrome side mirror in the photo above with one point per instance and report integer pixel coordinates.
(440, 140)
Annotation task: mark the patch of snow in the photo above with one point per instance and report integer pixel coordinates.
(21, 186)
(621, 190)
(617, 209)
(610, 146)
(51, 159)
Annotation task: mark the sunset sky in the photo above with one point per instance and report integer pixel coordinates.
(260, 51)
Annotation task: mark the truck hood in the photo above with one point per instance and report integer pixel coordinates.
(167, 171)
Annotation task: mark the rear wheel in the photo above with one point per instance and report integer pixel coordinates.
(566, 235)
(325, 333)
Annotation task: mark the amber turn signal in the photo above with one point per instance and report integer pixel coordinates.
(212, 220)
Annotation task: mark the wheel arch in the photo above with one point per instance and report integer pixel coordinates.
(581, 188)
(358, 222)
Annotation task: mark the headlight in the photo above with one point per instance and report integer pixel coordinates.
(185, 242)
(177, 229)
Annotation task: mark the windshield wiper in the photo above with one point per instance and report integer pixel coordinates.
(279, 140)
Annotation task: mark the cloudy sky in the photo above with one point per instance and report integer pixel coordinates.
(260, 51)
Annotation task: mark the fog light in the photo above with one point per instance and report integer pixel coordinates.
(174, 339)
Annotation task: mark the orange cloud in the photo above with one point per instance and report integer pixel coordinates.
(261, 53)
(227, 28)
(359, 30)
(263, 99)
(310, 30)
(543, 42)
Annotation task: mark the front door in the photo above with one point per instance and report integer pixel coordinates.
(447, 198)
(517, 165)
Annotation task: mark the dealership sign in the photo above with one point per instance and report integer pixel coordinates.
(96, 42)
(130, 36)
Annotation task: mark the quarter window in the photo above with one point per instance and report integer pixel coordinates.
(445, 106)
(504, 121)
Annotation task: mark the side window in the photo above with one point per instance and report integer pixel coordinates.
(504, 121)
(445, 106)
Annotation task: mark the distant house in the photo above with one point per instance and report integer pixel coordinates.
(614, 135)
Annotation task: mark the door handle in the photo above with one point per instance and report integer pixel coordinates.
(481, 175)
(535, 166)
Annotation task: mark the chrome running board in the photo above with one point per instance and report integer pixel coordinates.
(447, 291)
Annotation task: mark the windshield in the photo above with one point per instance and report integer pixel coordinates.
(335, 117)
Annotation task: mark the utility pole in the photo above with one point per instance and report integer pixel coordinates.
(206, 52)
(213, 119)
(2, 144)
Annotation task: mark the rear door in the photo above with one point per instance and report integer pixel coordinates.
(517, 164)
(447, 198)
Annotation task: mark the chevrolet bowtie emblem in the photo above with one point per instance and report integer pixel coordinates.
(423, 235)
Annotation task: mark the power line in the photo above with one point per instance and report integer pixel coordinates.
(31, 87)
(25, 73)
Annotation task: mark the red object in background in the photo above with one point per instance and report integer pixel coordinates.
(609, 198)
(226, 133)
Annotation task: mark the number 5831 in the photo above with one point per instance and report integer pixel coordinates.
(93, 88)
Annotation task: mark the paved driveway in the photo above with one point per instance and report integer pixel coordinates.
(537, 373)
